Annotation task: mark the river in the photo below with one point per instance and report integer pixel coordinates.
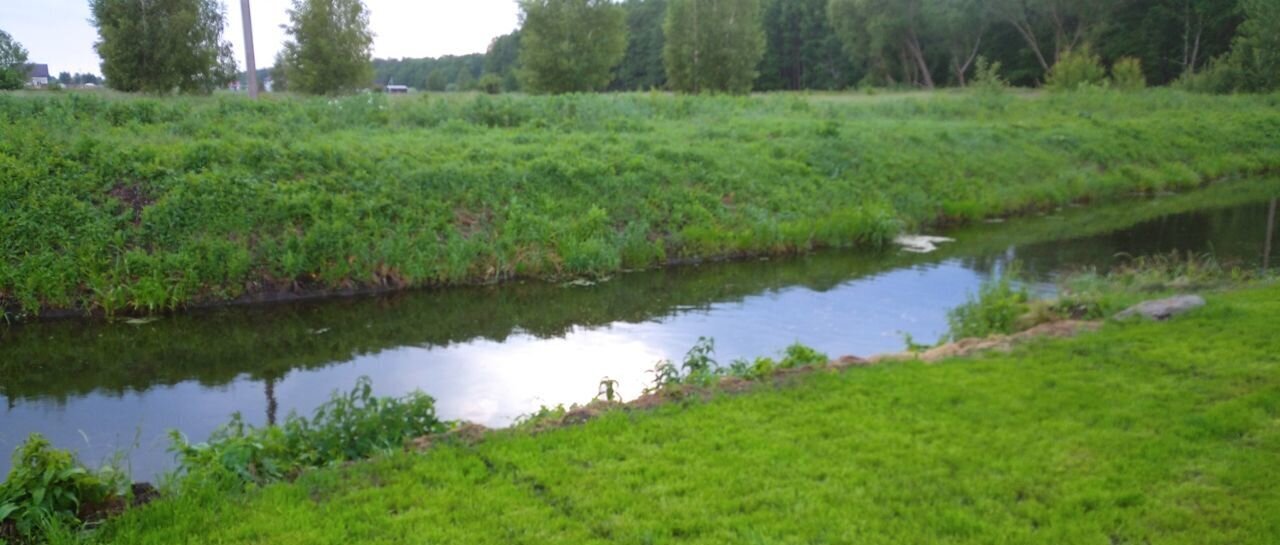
(491, 354)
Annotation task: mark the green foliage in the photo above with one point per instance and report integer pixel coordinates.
(713, 45)
(329, 47)
(46, 488)
(1253, 64)
(641, 68)
(13, 62)
(503, 60)
(798, 355)
(418, 73)
(987, 78)
(490, 83)
(350, 426)
(699, 365)
(1091, 439)
(995, 310)
(1148, 276)
(570, 46)
(465, 80)
(117, 205)
(883, 35)
(1075, 70)
(437, 81)
(1126, 75)
(608, 390)
(163, 46)
(802, 50)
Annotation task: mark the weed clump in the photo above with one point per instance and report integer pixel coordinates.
(350, 426)
(995, 309)
(47, 490)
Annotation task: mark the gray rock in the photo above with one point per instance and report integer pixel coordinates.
(1164, 308)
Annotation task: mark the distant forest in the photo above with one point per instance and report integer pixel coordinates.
(804, 51)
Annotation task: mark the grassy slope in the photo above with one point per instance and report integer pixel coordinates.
(123, 204)
(1142, 433)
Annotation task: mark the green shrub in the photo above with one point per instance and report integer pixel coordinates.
(350, 426)
(1126, 75)
(995, 310)
(490, 83)
(1076, 69)
(799, 355)
(987, 78)
(46, 488)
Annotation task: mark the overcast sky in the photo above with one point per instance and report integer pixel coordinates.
(58, 33)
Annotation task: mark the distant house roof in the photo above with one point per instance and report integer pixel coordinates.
(38, 70)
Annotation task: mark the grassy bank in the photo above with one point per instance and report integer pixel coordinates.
(114, 204)
(1141, 433)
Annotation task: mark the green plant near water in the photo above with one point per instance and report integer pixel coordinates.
(608, 391)
(138, 205)
(48, 489)
(350, 426)
(1002, 307)
(1094, 295)
(994, 310)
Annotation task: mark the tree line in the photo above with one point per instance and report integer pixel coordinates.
(723, 46)
(764, 45)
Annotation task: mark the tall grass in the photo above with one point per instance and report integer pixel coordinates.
(138, 205)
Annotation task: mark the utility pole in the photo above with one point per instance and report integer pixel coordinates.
(248, 50)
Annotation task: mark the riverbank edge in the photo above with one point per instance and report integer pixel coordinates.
(1021, 344)
(11, 313)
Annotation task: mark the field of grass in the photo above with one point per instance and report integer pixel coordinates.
(1141, 433)
(133, 205)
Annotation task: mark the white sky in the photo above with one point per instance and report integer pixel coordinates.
(58, 33)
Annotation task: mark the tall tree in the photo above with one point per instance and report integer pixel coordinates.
(1253, 64)
(329, 46)
(887, 35)
(465, 80)
(570, 46)
(503, 60)
(1172, 38)
(1052, 27)
(802, 50)
(161, 46)
(642, 67)
(437, 81)
(713, 45)
(279, 74)
(959, 26)
(13, 63)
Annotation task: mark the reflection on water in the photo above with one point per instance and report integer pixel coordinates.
(489, 355)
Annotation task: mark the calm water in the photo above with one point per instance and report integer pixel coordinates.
(490, 355)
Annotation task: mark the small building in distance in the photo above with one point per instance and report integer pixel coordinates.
(38, 75)
(397, 89)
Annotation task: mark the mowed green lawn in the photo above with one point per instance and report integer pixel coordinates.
(1142, 433)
